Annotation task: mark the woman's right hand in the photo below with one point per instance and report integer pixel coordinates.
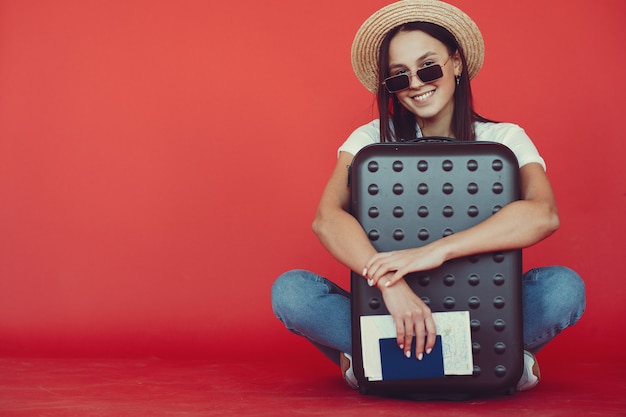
(411, 316)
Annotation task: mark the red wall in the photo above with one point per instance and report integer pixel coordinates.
(160, 162)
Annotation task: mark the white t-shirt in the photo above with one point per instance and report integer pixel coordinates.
(508, 134)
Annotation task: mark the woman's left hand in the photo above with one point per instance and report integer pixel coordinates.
(403, 262)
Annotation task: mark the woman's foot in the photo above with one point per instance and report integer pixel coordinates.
(531, 375)
(346, 370)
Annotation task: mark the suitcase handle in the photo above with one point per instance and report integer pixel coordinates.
(434, 139)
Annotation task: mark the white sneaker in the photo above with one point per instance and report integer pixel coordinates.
(531, 375)
(347, 372)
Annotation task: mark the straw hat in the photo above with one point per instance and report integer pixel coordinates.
(369, 37)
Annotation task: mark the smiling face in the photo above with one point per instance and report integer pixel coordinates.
(431, 103)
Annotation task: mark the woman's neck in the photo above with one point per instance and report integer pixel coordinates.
(433, 131)
(440, 125)
(429, 128)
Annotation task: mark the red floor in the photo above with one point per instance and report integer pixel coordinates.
(154, 387)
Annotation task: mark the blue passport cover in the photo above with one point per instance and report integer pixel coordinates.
(396, 366)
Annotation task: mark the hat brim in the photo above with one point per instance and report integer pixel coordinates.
(369, 37)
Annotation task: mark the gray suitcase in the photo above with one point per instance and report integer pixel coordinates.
(409, 194)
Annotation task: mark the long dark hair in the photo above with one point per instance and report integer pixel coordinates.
(404, 123)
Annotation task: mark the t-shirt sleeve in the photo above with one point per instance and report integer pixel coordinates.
(361, 137)
(513, 137)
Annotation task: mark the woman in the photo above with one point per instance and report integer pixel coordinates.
(418, 56)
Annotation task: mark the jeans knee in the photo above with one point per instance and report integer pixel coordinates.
(554, 299)
(568, 290)
(288, 291)
(280, 290)
(572, 286)
(578, 292)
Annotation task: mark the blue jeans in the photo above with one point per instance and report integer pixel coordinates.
(314, 307)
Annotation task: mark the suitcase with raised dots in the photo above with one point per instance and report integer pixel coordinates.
(409, 194)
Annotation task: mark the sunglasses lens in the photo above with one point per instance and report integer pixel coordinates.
(430, 74)
(397, 83)
(403, 81)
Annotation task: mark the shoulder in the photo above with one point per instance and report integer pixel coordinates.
(492, 131)
(362, 136)
(513, 137)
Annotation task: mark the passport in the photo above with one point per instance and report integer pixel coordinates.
(396, 366)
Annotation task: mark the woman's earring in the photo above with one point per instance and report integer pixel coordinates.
(458, 80)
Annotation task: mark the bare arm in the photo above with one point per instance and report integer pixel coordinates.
(342, 235)
(519, 224)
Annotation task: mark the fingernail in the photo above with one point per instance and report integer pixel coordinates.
(408, 354)
(370, 282)
(388, 284)
(419, 357)
(428, 351)
(401, 347)
(364, 272)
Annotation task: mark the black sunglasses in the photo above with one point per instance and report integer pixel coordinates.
(403, 81)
